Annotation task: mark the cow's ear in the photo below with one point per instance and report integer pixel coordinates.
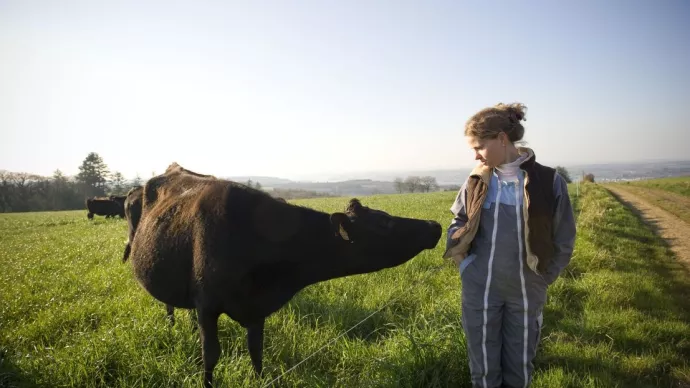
(340, 225)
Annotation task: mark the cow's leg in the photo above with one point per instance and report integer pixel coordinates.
(255, 343)
(171, 314)
(210, 347)
(89, 215)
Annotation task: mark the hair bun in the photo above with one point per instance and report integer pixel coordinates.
(518, 115)
(516, 111)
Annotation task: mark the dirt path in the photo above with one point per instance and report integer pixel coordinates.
(671, 228)
(664, 195)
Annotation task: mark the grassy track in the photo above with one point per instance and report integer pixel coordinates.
(72, 315)
(670, 194)
(678, 185)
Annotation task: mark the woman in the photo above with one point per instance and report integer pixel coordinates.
(512, 235)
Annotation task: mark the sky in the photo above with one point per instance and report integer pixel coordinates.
(300, 89)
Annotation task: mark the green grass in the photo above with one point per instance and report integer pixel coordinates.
(71, 313)
(678, 185)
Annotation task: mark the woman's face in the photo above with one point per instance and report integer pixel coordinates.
(490, 152)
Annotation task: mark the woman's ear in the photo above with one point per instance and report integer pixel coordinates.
(503, 137)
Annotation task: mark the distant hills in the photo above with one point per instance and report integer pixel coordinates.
(341, 188)
(631, 171)
(382, 182)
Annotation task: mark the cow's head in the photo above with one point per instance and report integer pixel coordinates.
(133, 203)
(377, 240)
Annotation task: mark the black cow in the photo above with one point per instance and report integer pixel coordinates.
(104, 207)
(120, 199)
(218, 246)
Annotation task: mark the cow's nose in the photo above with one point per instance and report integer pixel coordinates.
(436, 231)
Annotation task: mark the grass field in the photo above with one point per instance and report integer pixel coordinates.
(72, 314)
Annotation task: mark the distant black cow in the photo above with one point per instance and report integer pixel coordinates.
(104, 207)
(120, 199)
(218, 246)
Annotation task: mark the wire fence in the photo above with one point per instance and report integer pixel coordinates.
(428, 274)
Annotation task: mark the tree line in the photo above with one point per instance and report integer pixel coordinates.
(423, 184)
(23, 192)
(415, 184)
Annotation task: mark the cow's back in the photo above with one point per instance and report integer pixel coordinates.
(202, 235)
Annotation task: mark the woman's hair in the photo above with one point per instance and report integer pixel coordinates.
(489, 122)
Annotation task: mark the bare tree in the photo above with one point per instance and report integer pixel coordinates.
(399, 185)
(60, 191)
(413, 183)
(427, 183)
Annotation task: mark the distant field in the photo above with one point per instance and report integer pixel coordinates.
(71, 313)
(670, 194)
(678, 185)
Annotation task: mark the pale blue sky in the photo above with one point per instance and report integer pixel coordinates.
(326, 87)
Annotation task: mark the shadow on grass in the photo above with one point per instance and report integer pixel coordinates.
(668, 268)
(344, 315)
(447, 369)
(12, 376)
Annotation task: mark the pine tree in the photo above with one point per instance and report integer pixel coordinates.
(93, 173)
